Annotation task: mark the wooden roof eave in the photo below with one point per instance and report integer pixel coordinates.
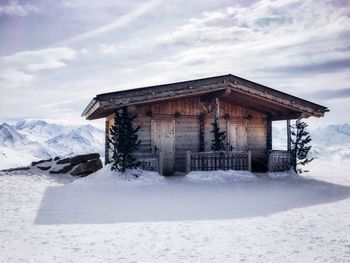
(111, 104)
(258, 87)
(290, 104)
(91, 109)
(104, 104)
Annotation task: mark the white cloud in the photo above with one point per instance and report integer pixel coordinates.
(297, 46)
(274, 30)
(120, 22)
(22, 67)
(14, 8)
(107, 48)
(273, 42)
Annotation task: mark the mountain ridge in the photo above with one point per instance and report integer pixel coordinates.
(29, 140)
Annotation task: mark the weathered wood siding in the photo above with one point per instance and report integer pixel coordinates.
(186, 139)
(186, 112)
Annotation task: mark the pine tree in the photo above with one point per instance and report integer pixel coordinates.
(123, 141)
(218, 142)
(300, 146)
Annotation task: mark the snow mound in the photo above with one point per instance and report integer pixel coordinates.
(220, 176)
(287, 174)
(107, 176)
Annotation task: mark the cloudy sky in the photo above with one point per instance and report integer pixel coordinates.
(56, 55)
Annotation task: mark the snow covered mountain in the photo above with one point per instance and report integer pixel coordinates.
(332, 135)
(332, 142)
(41, 131)
(27, 141)
(80, 140)
(10, 137)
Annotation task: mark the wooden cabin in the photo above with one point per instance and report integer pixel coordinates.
(176, 121)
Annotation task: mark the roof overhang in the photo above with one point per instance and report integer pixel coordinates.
(276, 104)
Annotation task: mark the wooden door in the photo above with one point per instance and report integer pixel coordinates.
(163, 139)
(237, 135)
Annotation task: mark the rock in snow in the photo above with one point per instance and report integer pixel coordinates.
(41, 161)
(61, 169)
(63, 161)
(43, 167)
(83, 158)
(87, 168)
(79, 165)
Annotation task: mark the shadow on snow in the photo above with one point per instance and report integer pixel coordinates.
(179, 199)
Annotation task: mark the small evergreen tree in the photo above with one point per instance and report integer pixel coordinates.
(123, 141)
(218, 142)
(300, 146)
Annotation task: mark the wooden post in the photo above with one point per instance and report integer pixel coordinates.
(201, 131)
(289, 137)
(217, 108)
(106, 142)
(160, 163)
(269, 135)
(249, 160)
(188, 161)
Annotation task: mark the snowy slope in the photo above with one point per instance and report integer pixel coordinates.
(39, 130)
(332, 135)
(101, 218)
(10, 137)
(76, 141)
(27, 141)
(331, 142)
(10, 157)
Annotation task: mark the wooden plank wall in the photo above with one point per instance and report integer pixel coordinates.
(187, 139)
(187, 126)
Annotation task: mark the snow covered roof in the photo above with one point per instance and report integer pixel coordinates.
(230, 88)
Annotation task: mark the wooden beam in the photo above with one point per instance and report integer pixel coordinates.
(188, 161)
(289, 136)
(216, 94)
(107, 142)
(292, 116)
(95, 106)
(201, 132)
(243, 102)
(269, 134)
(259, 103)
(249, 160)
(291, 104)
(133, 98)
(106, 107)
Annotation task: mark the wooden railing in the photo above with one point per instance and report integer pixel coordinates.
(208, 161)
(280, 161)
(150, 161)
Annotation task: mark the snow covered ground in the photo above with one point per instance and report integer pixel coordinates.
(199, 218)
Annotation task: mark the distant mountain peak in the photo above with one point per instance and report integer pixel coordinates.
(9, 136)
(41, 139)
(30, 124)
(5, 125)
